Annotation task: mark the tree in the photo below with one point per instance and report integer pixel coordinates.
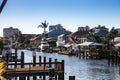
(111, 35)
(93, 37)
(43, 25)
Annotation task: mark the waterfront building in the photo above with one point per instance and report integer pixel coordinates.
(36, 40)
(9, 32)
(55, 31)
(86, 28)
(80, 36)
(62, 39)
(56, 27)
(100, 31)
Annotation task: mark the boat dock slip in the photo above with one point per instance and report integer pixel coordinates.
(44, 69)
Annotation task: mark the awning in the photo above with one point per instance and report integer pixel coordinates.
(90, 44)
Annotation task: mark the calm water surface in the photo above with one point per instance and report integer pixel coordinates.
(80, 68)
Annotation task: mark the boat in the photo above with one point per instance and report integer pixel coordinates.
(44, 47)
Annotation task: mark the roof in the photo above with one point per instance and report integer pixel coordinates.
(90, 44)
(58, 31)
(101, 33)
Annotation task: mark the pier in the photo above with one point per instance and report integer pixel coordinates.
(42, 69)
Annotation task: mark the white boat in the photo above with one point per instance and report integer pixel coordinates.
(44, 46)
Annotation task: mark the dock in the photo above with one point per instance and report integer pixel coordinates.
(45, 69)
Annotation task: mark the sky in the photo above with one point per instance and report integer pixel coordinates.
(26, 15)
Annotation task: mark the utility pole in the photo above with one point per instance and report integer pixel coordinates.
(2, 5)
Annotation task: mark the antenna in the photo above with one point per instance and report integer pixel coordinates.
(2, 5)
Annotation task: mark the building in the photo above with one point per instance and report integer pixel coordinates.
(118, 29)
(36, 40)
(80, 36)
(55, 27)
(9, 32)
(56, 30)
(62, 39)
(86, 28)
(100, 31)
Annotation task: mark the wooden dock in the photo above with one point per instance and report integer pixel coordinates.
(45, 68)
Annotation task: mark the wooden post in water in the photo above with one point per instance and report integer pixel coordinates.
(39, 60)
(40, 63)
(34, 60)
(50, 60)
(71, 77)
(22, 59)
(62, 69)
(51, 73)
(61, 74)
(44, 67)
(15, 57)
(7, 58)
(55, 64)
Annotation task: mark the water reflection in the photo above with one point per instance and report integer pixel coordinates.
(80, 68)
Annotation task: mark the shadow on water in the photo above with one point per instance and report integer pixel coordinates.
(82, 69)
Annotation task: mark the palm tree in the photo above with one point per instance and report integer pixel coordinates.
(43, 25)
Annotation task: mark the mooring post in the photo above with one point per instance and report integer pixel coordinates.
(28, 77)
(61, 74)
(50, 60)
(55, 64)
(44, 68)
(62, 69)
(40, 63)
(39, 60)
(51, 73)
(7, 58)
(34, 60)
(71, 77)
(22, 59)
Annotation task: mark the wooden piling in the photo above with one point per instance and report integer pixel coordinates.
(55, 64)
(50, 60)
(44, 67)
(71, 77)
(39, 60)
(34, 60)
(51, 73)
(22, 59)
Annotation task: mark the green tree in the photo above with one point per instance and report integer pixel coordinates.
(111, 35)
(43, 25)
(93, 37)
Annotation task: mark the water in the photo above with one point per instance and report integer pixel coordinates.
(80, 68)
